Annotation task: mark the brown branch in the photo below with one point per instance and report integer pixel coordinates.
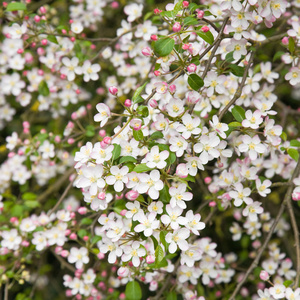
(265, 244)
(238, 92)
(64, 264)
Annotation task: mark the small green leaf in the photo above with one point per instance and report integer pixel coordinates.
(287, 283)
(162, 237)
(82, 232)
(206, 36)
(159, 254)
(52, 39)
(90, 131)
(96, 239)
(43, 89)
(236, 70)
(278, 55)
(155, 242)
(86, 221)
(171, 159)
(136, 98)
(17, 210)
(126, 159)
(234, 124)
(148, 15)
(229, 57)
(156, 135)
(283, 136)
(116, 152)
(15, 6)
(29, 196)
(295, 143)
(293, 153)
(195, 82)
(138, 135)
(291, 45)
(143, 111)
(164, 46)
(238, 113)
(188, 21)
(172, 296)
(141, 168)
(32, 203)
(133, 291)
(164, 195)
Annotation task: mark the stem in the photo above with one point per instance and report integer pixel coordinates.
(238, 92)
(265, 244)
(122, 128)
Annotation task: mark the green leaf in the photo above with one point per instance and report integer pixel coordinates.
(188, 21)
(15, 6)
(17, 210)
(96, 239)
(229, 57)
(141, 168)
(278, 55)
(159, 254)
(287, 283)
(172, 296)
(164, 195)
(171, 159)
(206, 36)
(162, 237)
(126, 159)
(236, 70)
(43, 89)
(133, 291)
(143, 111)
(156, 135)
(52, 39)
(82, 232)
(295, 143)
(234, 124)
(194, 6)
(283, 136)
(293, 153)
(136, 98)
(155, 242)
(86, 221)
(164, 46)
(291, 45)
(29, 196)
(90, 131)
(195, 82)
(148, 15)
(239, 113)
(32, 203)
(138, 135)
(116, 152)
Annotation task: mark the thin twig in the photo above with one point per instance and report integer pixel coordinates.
(63, 262)
(263, 247)
(61, 198)
(238, 92)
(6, 291)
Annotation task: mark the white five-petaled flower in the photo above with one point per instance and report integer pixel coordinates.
(150, 183)
(206, 147)
(179, 195)
(252, 146)
(193, 222)
(133, 11)
(147, 223)
(253, 120)
(219, 127)
(293, 75)
(178, 239)
(103, 115)
(78, 256)
(240, 195)
(133, 252)
(263, 187)
(190, 126)
(252, 210)
(90, 71)
(118, 177)
(156, 159)
(71, 68)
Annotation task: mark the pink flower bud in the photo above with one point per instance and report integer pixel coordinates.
(136, 124)
(85, 238)
(207, 180)
(176, 27)
(123, 272)
(172, 88)
(186, 46)
(20, 51)
(200, 14)
(69, 293)
(264, 275)
(153, 103)
(73, 39)
(73, 236)
(115, 4)
(40, 72)
(212, 204)
(192, 68)
(154, 37)
(132, 195)
(296, 196)
(193, 97)
(33, 45)
(123, 212)
(57, 139)
(43, 10)
(71, 141)
(82, 210)
(218, 294)
(113, 90)
(157, 11)
(182, 171)
(40, 51)
(127, 102)
(122, 296)
(101, 195)
(100, 255)
(147, 51)
(63, 31)
(285, 40)
(37, 19)
(25, 243)
(44, 42)
(256, 244)
(244, 292)
(156, 73)
(185, 3)
(107, 140)
(205, 29)
(150, 259)
(64, 253)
